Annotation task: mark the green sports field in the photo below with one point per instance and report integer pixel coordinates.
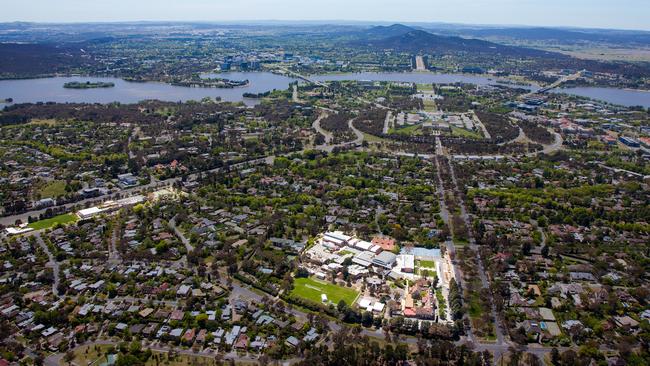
(426, 264)
(311, 289)
(48, 223)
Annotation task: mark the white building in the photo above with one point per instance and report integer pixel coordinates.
(336, 237)
(406, 263)
(88, 213)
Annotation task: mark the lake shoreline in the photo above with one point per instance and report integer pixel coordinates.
(48, 89)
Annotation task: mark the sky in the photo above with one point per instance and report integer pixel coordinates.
(620, 14)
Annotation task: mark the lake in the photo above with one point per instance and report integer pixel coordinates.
(51, 89)
(626, 97)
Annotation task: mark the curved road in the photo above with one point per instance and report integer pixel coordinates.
(316, 125)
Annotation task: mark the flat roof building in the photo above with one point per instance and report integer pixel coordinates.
(360, 244)
(385, 259)
(88, 213)
(337, 238)
(406, 262)
(364, 259)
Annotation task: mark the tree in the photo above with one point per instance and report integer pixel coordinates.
(569, 357)
(545, 251)
(68, 357)
(341, 306)
(532, 360)
(555, 357)
(366, 319)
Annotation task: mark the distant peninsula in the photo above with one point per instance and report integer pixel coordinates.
(87, 85)
(210, 83)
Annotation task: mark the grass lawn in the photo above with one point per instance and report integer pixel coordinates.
(427, 264)
(425, 87)
(51, 222)
(372, 138)
(87, 354)
(456, 131)
(53, 189)
(442, 304)
(430, 106)
(474, 307)
(311, 289)
(408, 130)
(426, 272)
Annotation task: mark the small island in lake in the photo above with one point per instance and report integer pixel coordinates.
(87, 85)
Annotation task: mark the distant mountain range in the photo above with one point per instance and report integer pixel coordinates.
(559, 35)
(402, 38)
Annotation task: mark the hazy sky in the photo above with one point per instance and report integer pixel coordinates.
(627, 14)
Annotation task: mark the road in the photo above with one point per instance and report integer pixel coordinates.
(389, 116)
(302, 77)
(478, 122)
(521, 137)
(444, 214)
(359, 134)
(481, 270)
(328, 147)
(316, 125)
(113, 254)
(550, 148)
(188, 246)
(556, 145)
(629, 172)
(52, 263)
(472, 243)
(546, 149)
(554, 85)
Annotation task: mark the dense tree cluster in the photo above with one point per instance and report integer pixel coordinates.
(482, 147)
(405, 103)
(455, 300)
(536, 132)
(499, 126)
(371, 121)
(149, 112)
(337, 123)
(350, 349)
(25, 60)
